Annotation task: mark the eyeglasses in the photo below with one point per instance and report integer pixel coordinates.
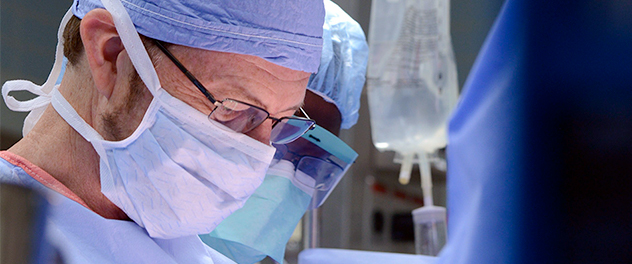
(323, 167)
(243, 117)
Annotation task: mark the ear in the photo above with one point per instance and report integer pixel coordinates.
(102, 45)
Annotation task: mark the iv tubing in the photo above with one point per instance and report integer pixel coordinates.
(426, 180)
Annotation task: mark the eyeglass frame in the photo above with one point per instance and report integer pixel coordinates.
(218, 103)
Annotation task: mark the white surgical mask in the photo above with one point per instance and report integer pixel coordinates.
(178, 174)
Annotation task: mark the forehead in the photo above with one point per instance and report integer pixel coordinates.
(245, 77)
(280, 72)
(212, 61)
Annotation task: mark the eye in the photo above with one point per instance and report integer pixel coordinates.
(252, 120)
(224, 114)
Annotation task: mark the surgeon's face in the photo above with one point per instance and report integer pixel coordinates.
(246, 78)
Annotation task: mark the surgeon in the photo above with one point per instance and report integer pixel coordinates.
(305, 171)
(163, 123)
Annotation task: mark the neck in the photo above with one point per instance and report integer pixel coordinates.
(77, 168)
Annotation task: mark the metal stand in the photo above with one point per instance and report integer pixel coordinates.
(311, 225)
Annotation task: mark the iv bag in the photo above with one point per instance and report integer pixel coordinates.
(411, 79)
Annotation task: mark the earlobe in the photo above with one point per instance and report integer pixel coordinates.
(102, 45)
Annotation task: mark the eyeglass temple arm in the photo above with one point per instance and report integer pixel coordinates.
(185, 71)
(304, 113)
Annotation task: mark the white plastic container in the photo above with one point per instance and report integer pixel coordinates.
(430, 230)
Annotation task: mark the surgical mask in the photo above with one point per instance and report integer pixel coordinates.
(179, 173)
(272, 213)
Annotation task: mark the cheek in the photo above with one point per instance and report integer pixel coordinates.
(137, 102)
(124, 114)
(262, 132)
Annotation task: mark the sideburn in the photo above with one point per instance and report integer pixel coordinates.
(122, 122)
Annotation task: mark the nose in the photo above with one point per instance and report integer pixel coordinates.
(262, 132)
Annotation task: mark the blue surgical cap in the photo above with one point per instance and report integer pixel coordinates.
(285, 32)
(342, 71)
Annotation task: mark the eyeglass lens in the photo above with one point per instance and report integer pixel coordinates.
(289, 129)
(238, 116)
(241, 117)
(321, 166)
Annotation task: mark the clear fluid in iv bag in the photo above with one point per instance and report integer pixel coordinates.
(412, 84)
